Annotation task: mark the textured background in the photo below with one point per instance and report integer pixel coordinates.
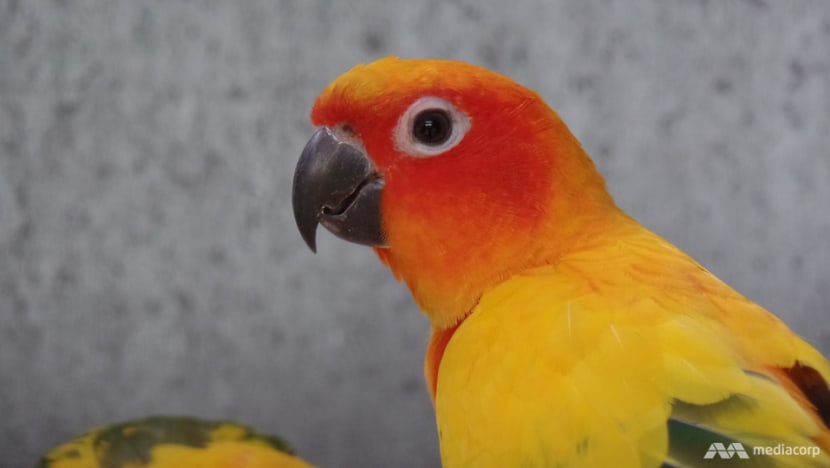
(148, 257)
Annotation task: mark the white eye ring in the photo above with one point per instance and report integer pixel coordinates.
(419, 112)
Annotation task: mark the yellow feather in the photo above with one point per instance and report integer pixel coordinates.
(568, 365)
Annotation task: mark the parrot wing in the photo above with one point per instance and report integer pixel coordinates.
(630, 354)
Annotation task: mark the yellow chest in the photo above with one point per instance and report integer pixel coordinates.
(551, 370)
(530, 378)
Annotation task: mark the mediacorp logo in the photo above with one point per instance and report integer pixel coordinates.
(736, 449)
(717, 449)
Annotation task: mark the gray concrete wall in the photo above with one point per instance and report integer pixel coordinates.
(148, 257)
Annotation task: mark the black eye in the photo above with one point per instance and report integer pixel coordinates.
(432, 127)
(429, 127)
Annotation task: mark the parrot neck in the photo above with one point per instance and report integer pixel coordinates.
(448, 277)
(449, 301)
(536, 199)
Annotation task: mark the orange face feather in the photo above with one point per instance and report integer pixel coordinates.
(459, 222)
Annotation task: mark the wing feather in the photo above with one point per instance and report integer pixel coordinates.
(627, 355)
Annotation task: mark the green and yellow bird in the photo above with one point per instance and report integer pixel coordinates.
(564, 333)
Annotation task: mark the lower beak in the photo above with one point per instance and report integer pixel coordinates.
(336, 185)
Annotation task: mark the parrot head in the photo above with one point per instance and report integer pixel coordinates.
(456, 175)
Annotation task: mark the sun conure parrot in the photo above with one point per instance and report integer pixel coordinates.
(564, 333)
(173, 442)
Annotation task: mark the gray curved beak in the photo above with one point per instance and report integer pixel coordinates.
(336, 185)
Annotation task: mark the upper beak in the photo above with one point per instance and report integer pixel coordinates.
(336, 185)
